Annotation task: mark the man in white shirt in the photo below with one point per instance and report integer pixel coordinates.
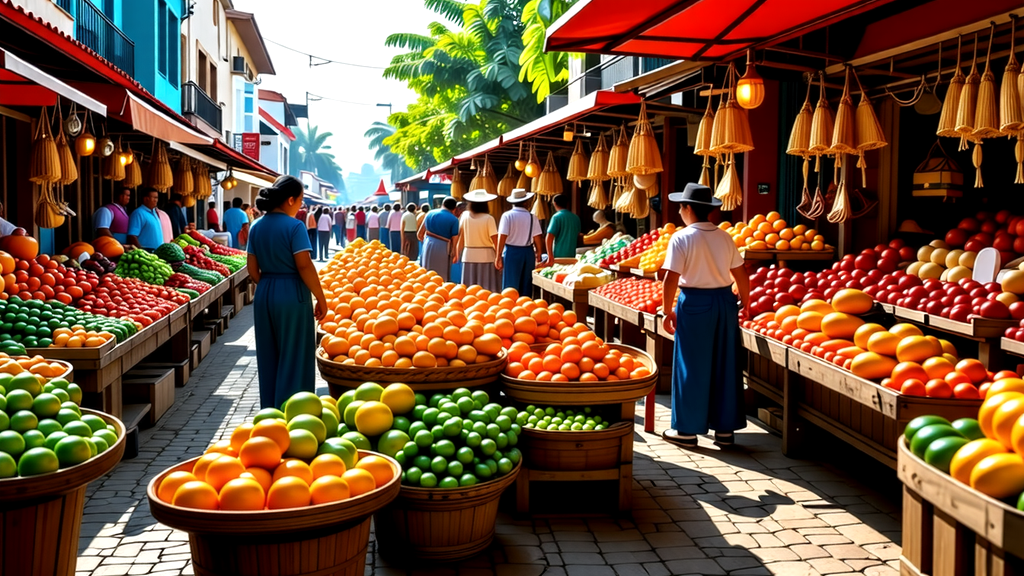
(703, 262)
(519, 244)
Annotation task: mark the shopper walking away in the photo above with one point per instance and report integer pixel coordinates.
(439, 228)
(563, 231)
(176, 213)
(395, 228)
(478, 236)
(703, 262)
(519, 244)
(234, 221)
(212, 219)
(373, 224)
(385, 222)
(323, 229)
(360, 219)
(410, 243)
(339, 226)
(281, 265)
(311, 223)
(424, 210)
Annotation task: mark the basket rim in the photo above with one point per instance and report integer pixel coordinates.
(497, 484)
(556, 387)
(613, 428)
(499, 360)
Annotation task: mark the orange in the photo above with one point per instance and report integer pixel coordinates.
(329, 488)
(242, 494)
(288, 492)
(504, 328)
(260, 475)
(526, 324)
(572, 353)
(489, 344)
(222, 470)
(196, 494)
(223, 447)
(360, 480)
(569, 317)
(275, 429)
(171, 482)
(327, 465)
(437, 346)
(570, 371)
(424, 360)
(405, 346)
(261, 452)
(293, 467)
(601, 370)
(593, 350)
(467, 354)
(199, 468)
(626, 362)
(379, 467)
(552, 363)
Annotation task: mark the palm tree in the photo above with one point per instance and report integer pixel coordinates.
(382, 152)
(309, 153)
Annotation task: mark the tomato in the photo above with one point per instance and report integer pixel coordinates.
(47, 279)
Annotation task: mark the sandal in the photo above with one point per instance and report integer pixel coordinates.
(682, 440)
(724, 438)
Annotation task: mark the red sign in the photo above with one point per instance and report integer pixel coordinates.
(251, 145)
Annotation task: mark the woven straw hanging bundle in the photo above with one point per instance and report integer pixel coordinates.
(159, 174)
(951, 104)
(68, 165)
(525, 182)
(703, 145)
(640, 206)
(986, 112)
(625, 197)
(133, 172)
(1011, 114)
(549, 183)
(868, 134)
(202, 187)
(44, 165)
(643, 156)
(968, 101)
(577, 164)
(490, 177)
(729, 190)
(540, 208)
(800, 135)
(184, 183)
(822, 126)
(617, 185)
(735, 125)
(113, 167)
(508, 182)
(617, 156)
(717, 129)
(598, 198)
(49, 213)
(458, 186)
(842, 131)
(597, 170)
(841, 207)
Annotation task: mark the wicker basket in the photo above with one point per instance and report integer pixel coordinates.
(343, 377)
(441, 524)
(43, 514)
(325, 539)
(561, 450)
(583, 393)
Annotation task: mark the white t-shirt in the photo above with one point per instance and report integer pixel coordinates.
(325, 223)
(520, 225)
(373, 220)
(409, 223)
(477, 229)
(702, 254)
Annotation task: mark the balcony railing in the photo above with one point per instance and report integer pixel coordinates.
(195, 101)
(96, 31)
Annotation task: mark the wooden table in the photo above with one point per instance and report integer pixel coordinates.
(577, 298)
(985, 331)
(782, 257)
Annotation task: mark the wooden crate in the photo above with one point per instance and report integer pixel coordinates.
(150, 386)
(950, 529)
(204, 339)
(182, 370)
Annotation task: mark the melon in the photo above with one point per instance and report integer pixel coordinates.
(958, 273)
(872, 366)
(810, 321)
(967, 259)
(924, 254)
(884, 343)
(929, 270)
(819, 306)
(840, 325)
(860, 338)
(851, 301)
(939, 256)
(917, 349)
(1013, 281)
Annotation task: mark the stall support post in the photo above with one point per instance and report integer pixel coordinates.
(792, 426)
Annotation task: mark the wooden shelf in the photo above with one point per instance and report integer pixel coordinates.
(620, 311)
(1012, 346)
(828, 254)
(768, 347)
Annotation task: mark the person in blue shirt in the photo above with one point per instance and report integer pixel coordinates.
(144, 227)
(280, 263)
(236, 220)
(439, 229)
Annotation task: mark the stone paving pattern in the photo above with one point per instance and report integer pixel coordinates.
(748, 510)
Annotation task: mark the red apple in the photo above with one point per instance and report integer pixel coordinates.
(907, 254)
(989, 226)
(897, 243)
(1002, 216)
(994, 309)
(960, 313)
(969, 224)
(956, 237)
(993, 287)
(1017, 310)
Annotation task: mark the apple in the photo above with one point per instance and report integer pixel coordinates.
(1019, 336)
(1002, 216)
(975, 246)
(989, 226)
(1017, 310)
(960, 313)
(897, 243)
(934, 308)
(969, 224)
(994, 309)
(993, 287)
(956, 237)
(1003, 242)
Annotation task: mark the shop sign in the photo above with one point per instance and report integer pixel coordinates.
(248, 143)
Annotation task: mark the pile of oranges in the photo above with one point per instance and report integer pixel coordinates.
(386, 311)
(78, 336)
(771, 232)
(582, 358)
(254, 470)
(41, 367)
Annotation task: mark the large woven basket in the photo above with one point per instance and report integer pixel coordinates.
(343, 377)
(583, 393)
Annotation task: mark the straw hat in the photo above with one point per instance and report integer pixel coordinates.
(519, 195)
(478, 195)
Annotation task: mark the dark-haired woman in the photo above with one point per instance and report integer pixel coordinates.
(281, 265)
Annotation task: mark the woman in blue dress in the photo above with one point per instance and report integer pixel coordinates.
(280, 263)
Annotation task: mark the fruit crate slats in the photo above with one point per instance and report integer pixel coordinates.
(620, 311)
(946, 524)
(83, 354)
(1012, 346)
(576, 297)
(977, 328)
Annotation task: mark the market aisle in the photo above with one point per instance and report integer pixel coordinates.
(748, 511)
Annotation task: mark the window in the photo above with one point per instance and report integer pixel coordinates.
(202, 67)
(173, 29)
(250, 107)
(161, 29)
(245, 106)
(212, 92)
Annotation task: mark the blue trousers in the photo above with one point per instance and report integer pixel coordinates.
(385, 237)
(361, 231)
(396, 241)
(285, 338)
(517, 272)
(706, 387)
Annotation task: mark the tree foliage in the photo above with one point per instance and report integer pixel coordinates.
(309, 152)
(390, 161)
(546, 71)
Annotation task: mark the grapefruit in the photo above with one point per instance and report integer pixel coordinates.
(373, 418)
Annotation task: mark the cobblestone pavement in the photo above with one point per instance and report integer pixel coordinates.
(748, 510)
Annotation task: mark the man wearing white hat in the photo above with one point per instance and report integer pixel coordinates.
(519, 244)
(438, 230)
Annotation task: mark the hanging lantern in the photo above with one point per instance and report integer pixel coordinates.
(750, 87)
(533, 167)
(520, 160)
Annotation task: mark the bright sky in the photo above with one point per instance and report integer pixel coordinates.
(347, 31)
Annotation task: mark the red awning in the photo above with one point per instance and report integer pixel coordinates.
(22, 84)
(692, 29)
(132, 110)
(281, 128)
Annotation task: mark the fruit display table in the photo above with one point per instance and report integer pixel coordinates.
(949, 528)
(609, 314)
(860, 412)
(985, 331)
(575, 298)
(783, 257)
(627, 271)
(210, 300)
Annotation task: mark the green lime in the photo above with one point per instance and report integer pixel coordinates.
(69, 405)
(369, 391)
(438, 465)
(505, 466)
(437, 432)
(12, 442)
(48, 426)
(415, 427)
(100, 443)
(445, 448)
(72, 450)
(331, 422)
(509, 412)
(421, 399)
(513, 437)
(401, 423)
(345, 400)
(266, 414)
(59, 383)
(422, 462)
(64, 397)
(411, 449)
(52, 439)
(926, 435)
(465, 405)
(78, 428)
(33, 439)
(25, 381)
(23, 421)
(467, 480)
(461, 393)
(452, 408)
(493, 410)
(488, 446)
(109, 436)
(479, 416)
(361, 442)
(480, 428)
(424, 438)
(303, 445)
(349, 415)
(95, 422)
(453, 427)
(74, 392)
(455, 468)
(920, 422)
(3, 401)
(314, 424)
(449, 482)
(969, 428)
(502, 439)
(19, 400)
(302, 403)
(8, 467)
(492, 464)
(481, 397)
(413, 475)
(436, 399)
(504, 423)
(38, 461)
(417, 412)
(65, 416)
(5, 420)
(392, 442)
(465, 455)
(428, 480)
(482, 471)
(93, 448)
(493, 430)
(473, 439)
(442, 417)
